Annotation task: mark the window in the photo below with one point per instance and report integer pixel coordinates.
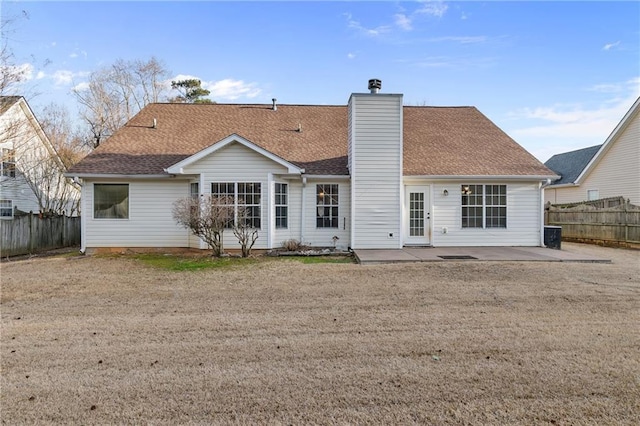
(8, 164)
(496, 206)
(281, 203)
(472, 206)
(6, 209)
(194, 189)
(327, 206)
(593, 194)
(249, 199)
(110, 201)
(244, 195)
(484, 206)
(225, 191)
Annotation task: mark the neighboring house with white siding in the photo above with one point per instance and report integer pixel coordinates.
(608, 170)
(31, 173)
(373, 173)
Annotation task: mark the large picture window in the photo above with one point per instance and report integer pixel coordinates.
(327, 206)
(282, 207)
(245, 197)
(484, 206)
(110, 201)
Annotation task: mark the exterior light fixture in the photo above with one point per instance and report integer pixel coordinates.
(445, 192)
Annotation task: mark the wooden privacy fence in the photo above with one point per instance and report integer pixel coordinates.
(597, 222)
(32, 234)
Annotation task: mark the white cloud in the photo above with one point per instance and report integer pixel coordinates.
(81, 86)
(370, 32)
(231, 89)
(351, 55)
(77, 53)
(227, 89)
(433, 8)
(403, 21)
(610, 46)
(40, 75)
(565, 127)
(461, 39)
(22, 72)
(66, 77)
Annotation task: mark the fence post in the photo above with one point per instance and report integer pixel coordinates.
(626, 221)
(30, 231)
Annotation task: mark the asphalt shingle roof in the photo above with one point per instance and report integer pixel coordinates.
(569, 165)
(437, 140)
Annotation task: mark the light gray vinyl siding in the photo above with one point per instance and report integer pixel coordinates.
(322, 237)
(523, 217)
(376, 169)
(19, 191)
(237, 163)
(616, 174)
(292, 232)
(150, 222)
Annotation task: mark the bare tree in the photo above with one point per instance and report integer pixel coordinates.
(207, 217)
(117, 92)
(11, 74)
(244, 231)
(68, 141)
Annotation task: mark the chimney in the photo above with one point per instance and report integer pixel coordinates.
(375, 85)
(275, 107)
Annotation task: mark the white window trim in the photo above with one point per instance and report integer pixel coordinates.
(5, 208)
(317, 206)
(235, 199)
(93, 206)
(285, 205)
(484, 207)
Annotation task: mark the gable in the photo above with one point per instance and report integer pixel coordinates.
(250, 150)
(626, 133)
(234, 160)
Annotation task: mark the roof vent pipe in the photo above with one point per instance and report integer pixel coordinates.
(375, 85)
(275, 107)
(155, 123)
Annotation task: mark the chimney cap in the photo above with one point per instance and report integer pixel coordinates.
(375, 85)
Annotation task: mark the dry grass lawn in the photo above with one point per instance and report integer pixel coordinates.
(104, 340)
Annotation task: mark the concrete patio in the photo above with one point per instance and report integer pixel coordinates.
(499, 254)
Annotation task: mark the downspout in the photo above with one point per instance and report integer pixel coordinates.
(541, 187)
(302, 209)
(271, 227)
(83, 217)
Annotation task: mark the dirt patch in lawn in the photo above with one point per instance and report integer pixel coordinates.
(104, 340)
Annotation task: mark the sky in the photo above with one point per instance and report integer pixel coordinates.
(555, 76)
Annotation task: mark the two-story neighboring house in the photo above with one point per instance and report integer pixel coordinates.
(31, 173)
(602, 171)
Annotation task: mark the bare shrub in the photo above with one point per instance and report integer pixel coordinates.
(206, 216)
(244, 231)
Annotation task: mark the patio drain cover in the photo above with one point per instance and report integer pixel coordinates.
(457, 257)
